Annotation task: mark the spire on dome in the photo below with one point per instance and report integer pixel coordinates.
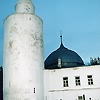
(61, 45)
(61, 38)
(25, 6)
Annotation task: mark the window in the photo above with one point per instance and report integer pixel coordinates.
(90, 80)
(77, 80)
(59, 63)
(65, 81)
(34, 90)
(80, 98)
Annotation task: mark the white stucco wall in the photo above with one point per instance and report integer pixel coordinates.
(23, 55)
(53, 83)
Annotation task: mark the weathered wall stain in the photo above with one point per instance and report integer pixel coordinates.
(10, 44)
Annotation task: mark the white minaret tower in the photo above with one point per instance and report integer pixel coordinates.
(23, 54)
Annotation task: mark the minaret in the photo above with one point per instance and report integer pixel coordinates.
(23, 54)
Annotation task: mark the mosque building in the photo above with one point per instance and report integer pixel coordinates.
(67, 78)
(62, 76)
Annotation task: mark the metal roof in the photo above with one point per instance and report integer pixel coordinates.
(68, 59)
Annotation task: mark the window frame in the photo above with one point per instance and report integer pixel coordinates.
(65, 82)
(90, 79)
(80, 98)
(77, 81)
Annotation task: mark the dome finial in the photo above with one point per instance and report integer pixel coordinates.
(61, 36)
(61, 45)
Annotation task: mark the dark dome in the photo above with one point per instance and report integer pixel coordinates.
(63, 58)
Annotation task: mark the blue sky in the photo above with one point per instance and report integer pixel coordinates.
(79, 21)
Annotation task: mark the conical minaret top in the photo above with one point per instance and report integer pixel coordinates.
(20, 1)
(25, 6)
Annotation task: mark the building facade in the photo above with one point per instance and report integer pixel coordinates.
(78, 83)
(67, 78)
(65, 75)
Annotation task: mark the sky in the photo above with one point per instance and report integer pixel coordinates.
(77, 20)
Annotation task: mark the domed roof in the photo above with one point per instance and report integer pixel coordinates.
(63, 58)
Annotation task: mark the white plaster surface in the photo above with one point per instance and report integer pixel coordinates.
(25, 6)
(23, 57)
(53, 83)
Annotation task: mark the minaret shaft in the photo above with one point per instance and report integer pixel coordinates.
(23, 56)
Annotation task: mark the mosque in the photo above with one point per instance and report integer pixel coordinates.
(64, 76)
